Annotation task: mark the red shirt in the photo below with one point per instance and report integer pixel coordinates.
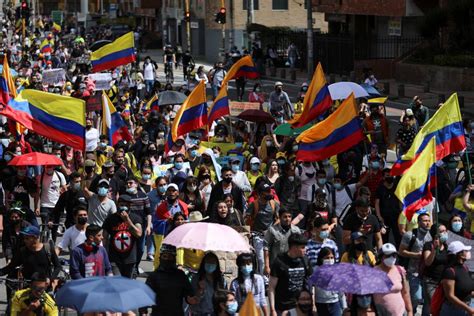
(373, 182)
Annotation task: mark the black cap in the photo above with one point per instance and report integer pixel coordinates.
(264, 187)
(361, 203)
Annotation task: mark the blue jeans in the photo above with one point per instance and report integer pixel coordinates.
(258, 243)
(448, 309)
(149, 85)
(215, 91)
(415, 290)
(329, 309)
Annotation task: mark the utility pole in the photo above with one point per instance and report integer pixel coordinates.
(188, 24)
(223, 32)
(309, 33)
(250, 21)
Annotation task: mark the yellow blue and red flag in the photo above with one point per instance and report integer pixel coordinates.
(445, 126)
(47, 46)
(112, 123)
(7, 85)
(220, 107)
(339, 132)
(152, 104)
(192, 114)
(244, 67)
(56, 27)
(119, 52)
(413, 189)
(57, 117)
(317, 99)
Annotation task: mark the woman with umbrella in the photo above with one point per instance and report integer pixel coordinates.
(397, 302)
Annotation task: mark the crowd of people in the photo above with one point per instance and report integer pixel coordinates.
(118, 200)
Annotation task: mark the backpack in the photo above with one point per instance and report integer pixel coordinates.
(403, 261)
(250, 220)
(438, 298)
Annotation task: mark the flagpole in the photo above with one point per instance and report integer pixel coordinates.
(436, 206)
(468, 167)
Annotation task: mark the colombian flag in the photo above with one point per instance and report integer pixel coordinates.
(339, 132)
(46, 46)
(56, 27)
(317, 99)
(220, 107)
(244, 67)
(152, 104)
(112, 123)
(192, 114)
(445, 126)
(119, 52)
(57, 117)
(7, 86)
(413, 190)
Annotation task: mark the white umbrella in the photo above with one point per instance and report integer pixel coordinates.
(341, 90)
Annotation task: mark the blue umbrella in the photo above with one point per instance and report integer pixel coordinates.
(370, 89)
(351, 278)
(105, 294)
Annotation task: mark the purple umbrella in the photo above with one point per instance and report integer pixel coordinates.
(351, 278)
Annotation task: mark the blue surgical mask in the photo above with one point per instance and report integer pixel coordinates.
(210, 267)
(295, 148)
(255, 166)
(162, 189)
(281, 162)
(337, 186)
(375, 165)
(231, 308)
(238, 145)
(103, 144)
(235, 168)
(7, 157)
(443, 237)
(102, 191)
(246, 269)
(131, 190)
(323, 234)
(146, 176)
(194, 153)
(178, 165)
(456, 226)
(322, 181)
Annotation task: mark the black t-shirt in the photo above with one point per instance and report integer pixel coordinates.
(34, 261)
(292, 274)
(354, 223)
(21, 189)
(122, 243)
(171, 287)
(389, 203)
(436, 269)
(463, 284)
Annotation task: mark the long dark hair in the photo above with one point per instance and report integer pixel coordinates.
(323, 253)
(240, 276)
(217, 276)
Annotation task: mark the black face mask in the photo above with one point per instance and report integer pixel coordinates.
(268, 197)
(89, 169)
(15, 221)
(360, 247)
(305, 308)
(389, 180)
(167, 264)
(227, 180)
(170, 199)
(82, 220)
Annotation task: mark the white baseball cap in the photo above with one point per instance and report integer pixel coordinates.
(254, 160)
(278, 83)
(388, 249)
(172, 186)
(456, 247)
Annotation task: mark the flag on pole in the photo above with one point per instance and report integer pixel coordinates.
(112, 123)
(220, 107)
(119, 52)
(244, 67)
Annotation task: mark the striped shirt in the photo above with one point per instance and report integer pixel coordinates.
(140, 205)
(313, 248)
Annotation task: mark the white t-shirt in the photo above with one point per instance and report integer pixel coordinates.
(72, 238)
(240, 178)
(343, 199)
(51, 188)
(149, 72)
(92, 138)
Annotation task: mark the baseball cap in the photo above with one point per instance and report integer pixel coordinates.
(108, 164)
(172, 186)
(30, 231)
(388, 249)
(278, 83)
(89, 163)
(103, 182)
(165, 248)
(254, 160)
(361, 203)
(357, 235)
(409, 112)
(456, 247)
(234, 159)
(264, 187)
(280, 154)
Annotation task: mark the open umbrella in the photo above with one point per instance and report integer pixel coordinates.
(286, 130)
(171, 98)
(105, 294)
(35, 159)
(257, 116)
(351, 278)
(207, 237)
(341, 90)
(371, 90)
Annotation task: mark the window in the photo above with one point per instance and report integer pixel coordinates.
(279, 4)
(245, 4)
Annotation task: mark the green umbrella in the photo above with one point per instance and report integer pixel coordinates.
(287, 130)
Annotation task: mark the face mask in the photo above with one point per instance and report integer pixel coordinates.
(227, 179)
(49, 172)
(390, 261)
(193, 153)
(167, 264)
(338, 186)
(305, 308)
(18, 153)
(295, 148)
(443, 237)
(281, 162)
(191, 188)
(235, 168)
(7, 157)
(389, 180)
(76, 186)
(162, 189)
(456, 226)
(146, 177)
(255, 167)
(161, 135)
(178, 165)
(123, 208)
(238, 145)
(103, 144)
(131, 190)
(328, 261)
(257, 89)
(21, 173)
(452, 165)
(291, 178)
(82, 220)
(232, 308)
(246, 269)
(268, 143)
(361, 247)
(102, 191)
(15, 221)
(89, 169)
(322, 181)
(375, 165)
(323, 234)
(210, 267)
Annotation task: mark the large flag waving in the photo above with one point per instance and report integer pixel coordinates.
(244, 67)
(60, 118)
(413, 190)
(192, 114)
(220, 107)
(7, 86)
(445, 126)
(112, 123)
(119, 52)
(339, 132)
(317, 99)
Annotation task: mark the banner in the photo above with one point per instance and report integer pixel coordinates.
(238, 107)
(160, 171)
(102, 80)
(54, 76)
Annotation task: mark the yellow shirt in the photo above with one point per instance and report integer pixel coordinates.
(402, 220)
(19, 305)
(360, 259)
(252, 178)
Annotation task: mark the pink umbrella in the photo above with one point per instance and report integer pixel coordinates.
(207, 237)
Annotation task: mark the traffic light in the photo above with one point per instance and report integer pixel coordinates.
(187, 16)
(25, 10)
(220, 16)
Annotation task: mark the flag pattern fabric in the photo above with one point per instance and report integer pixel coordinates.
(317, 99)
(56, 117)
(445, 126)
(244, 67)
(46, 46)
(339, 132)
(112, 123)
(414, 187)
(119, 52)
(152, 104)
(220, 107)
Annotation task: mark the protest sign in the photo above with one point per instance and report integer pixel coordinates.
(238, 107)
(54, 76)
(102, 80)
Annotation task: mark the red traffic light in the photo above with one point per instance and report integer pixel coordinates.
(24, 5)
(222, 10)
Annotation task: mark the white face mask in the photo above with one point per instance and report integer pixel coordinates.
(328, 261)
(390, 261)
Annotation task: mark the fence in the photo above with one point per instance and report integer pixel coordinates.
(385, 47)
